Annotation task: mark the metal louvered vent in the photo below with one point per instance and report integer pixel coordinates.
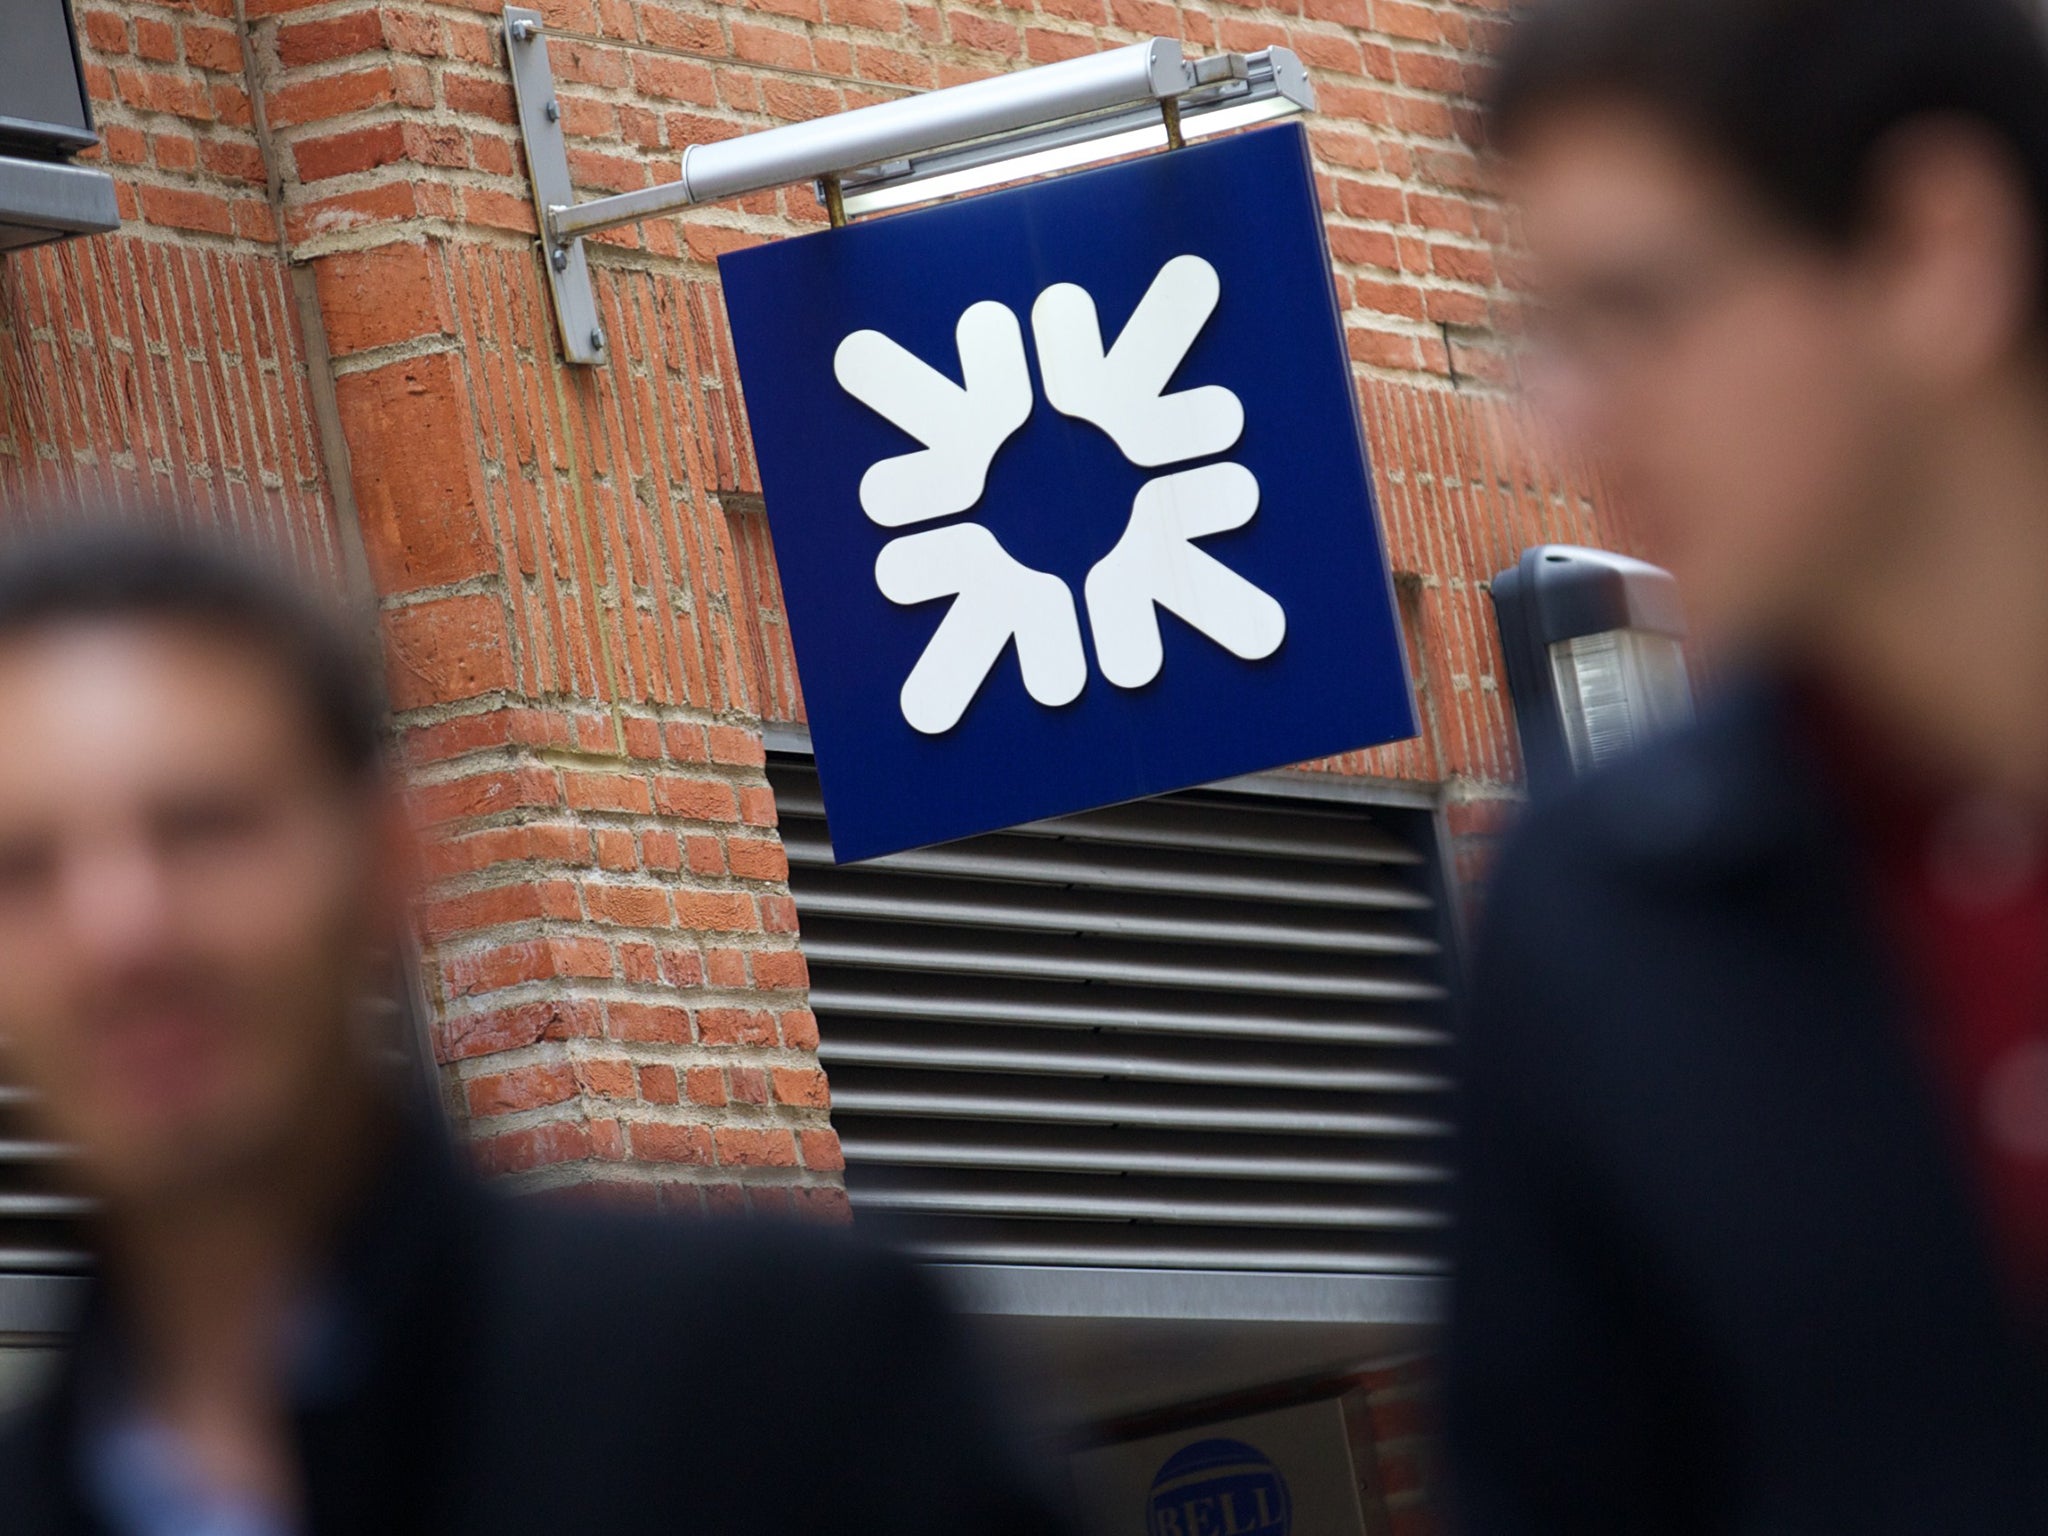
(42, 1221)
(39, 1220)
(1197, 1032)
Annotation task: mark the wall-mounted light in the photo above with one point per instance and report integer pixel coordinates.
(1229, 91)
(934, 144)
(45, 119)
(1594, 645)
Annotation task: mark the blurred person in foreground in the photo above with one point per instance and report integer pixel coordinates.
(1754, 1192)
(306, 1319)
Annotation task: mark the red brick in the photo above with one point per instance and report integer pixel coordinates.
(234, 159)
(419, 490)
(821, 1150)
(639, 961)
(480, 97)
(686, 742)
(446, 649)
(783, 46)
(681, 966)
(688, 32)
(673, 79)
(483, 794)
(658, 1084)
(253, 220)
(105, 31)
(590, 957)
(498, 210)
(473, 911)
(381, 296)
(174, 152)
(337, 37)
(742, 1146)
(1461, 264)
(162, 91)
(559, 1141)
(361, 209)
(781, 969)
(971, 29)
(730, 744)
(662, 1023)
(605, 1076)
(493, 970)
(183, 208)
(695, 799)
(507, 1093)
(715, 911)
(660, 1142)
(1399, 19)
(706, 1086)
(344, 154)
(630, 906)
(230, 104)
(735, 1026)
(800, 1029)
(312, 101)
(803, 1086)
(757, 858)
(213, 48)
(465, 1035)
(608, 792)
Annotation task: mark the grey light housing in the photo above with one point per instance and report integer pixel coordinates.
(45, 119)
(1594, 645)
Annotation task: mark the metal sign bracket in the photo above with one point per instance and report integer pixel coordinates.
(909, 149)
(547, 161)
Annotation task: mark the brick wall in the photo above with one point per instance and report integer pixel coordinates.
(324, 324)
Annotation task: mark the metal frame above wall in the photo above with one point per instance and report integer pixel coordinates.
(1169, 1073)
(926, 145)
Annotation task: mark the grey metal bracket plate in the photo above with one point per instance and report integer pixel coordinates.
(547, 163)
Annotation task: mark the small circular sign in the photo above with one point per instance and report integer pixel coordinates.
(1219, 1488)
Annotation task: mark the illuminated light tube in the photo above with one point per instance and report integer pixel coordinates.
(1258, 88)
(962, 137)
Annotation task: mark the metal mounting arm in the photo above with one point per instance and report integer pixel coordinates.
(1020, 118)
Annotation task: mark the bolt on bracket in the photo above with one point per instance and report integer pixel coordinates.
(547, 160)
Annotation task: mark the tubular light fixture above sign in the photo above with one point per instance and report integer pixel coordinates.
(1053, 117)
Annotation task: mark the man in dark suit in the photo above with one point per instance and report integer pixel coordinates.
(1753, 1229)
(306, 1319)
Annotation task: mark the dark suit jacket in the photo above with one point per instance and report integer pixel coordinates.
(511, 1367)
(1718, 1265)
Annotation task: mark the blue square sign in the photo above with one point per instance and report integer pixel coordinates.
(1069, 493)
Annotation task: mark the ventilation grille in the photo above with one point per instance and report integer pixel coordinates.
(42, 1222)
(1202, 1031)
(39, 1220)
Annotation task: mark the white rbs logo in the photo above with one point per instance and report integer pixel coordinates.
(1154, 565)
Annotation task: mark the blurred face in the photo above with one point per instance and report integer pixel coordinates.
(187, 890)
(1731, 378)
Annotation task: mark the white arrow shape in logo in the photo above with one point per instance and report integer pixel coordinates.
(1154, 566)
(996, 598)
(960, 428)
(1120, 391)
